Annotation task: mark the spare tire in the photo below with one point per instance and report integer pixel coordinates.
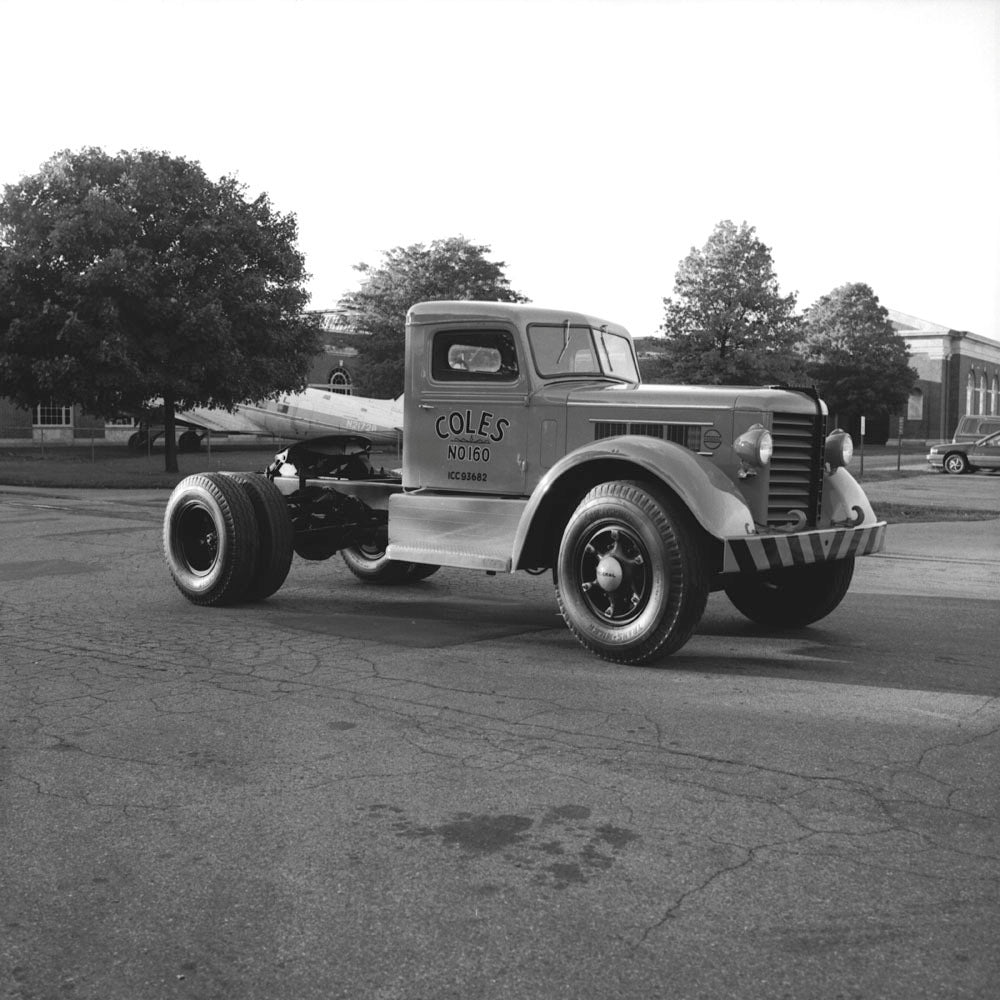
(210, 539)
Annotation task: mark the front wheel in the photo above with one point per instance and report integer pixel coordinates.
(791, 598)
(630, 579)
(956, 463)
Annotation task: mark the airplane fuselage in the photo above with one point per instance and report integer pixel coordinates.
(317, 411)
(313, 412)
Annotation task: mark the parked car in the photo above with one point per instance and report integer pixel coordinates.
(956, 457)
(974, 426)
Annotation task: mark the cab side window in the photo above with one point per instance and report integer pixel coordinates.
(474, 356)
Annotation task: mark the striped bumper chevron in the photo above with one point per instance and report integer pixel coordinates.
(757, 553)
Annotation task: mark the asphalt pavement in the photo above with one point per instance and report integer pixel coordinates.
(432, 793)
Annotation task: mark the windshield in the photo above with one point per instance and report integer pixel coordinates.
(565, 349)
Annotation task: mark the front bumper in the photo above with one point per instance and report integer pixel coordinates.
(759, 553)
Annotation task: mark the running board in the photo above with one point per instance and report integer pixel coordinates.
(463, 531)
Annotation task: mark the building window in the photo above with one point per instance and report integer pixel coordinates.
(996, 395)
(340, 381)
(915, 406)
(984, 396)
(52, 415)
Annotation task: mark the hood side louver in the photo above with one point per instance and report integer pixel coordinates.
(686, 435)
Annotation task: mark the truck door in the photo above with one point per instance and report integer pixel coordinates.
(468, 431)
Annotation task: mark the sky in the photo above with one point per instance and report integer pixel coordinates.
(591, 144)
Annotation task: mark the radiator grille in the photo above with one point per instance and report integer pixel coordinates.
(796, 469)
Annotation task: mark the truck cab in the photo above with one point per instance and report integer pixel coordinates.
(488, 388)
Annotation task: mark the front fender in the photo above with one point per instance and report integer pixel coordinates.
(710, 496)
(843, 498)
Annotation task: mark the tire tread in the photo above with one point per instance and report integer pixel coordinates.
(275, 534)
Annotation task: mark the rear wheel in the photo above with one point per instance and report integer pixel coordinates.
(369, 563)
(210, 539)
(189, 441)
(274, 534)
(313, 548)
(955, 463)
(791, 598)
(630, 579)
(420, 571)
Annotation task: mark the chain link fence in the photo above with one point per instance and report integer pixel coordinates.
(99, 442)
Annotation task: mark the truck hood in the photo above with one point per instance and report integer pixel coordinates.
(693, 396)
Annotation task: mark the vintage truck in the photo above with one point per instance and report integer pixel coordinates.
(530, 444)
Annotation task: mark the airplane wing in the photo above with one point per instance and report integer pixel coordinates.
(216, 421)
(316, 411)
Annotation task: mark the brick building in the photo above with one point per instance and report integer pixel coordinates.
(959, 373)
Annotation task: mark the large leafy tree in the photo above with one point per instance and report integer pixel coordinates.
(132, 277)
(855, 357)
(452, 268)
(728, 323)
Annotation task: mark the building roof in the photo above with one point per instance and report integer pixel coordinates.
(905, 324)
(925, 337)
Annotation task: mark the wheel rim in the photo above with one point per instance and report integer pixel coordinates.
(954, 463)
(614, 573)
(197, 539)
(372, 550)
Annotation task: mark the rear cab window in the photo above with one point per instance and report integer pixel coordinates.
(474, 356)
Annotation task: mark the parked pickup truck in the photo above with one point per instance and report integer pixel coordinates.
(531, 444)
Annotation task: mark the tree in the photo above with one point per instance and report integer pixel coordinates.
(728, 324)
(653, 365)
(855, 357)
(452, 268)
(130, 278)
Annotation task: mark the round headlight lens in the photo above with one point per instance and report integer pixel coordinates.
(755, 445)
(839, 448)
(765, 448)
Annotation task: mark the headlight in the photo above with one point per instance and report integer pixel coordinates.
(839, 448)
(755, 445)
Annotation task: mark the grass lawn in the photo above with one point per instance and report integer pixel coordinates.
(116, 467)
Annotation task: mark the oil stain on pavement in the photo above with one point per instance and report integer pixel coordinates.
(560, 848)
